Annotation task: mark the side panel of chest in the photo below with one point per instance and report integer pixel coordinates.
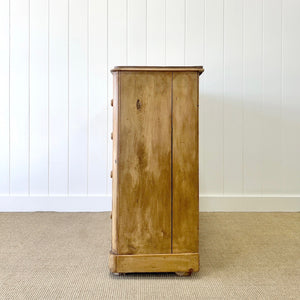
(185, 162)
(144, 163)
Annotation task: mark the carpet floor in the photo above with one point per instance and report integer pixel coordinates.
(65, 256)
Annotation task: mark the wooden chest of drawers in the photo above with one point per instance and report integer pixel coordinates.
(155, 170)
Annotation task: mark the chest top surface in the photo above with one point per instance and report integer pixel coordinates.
(198, 69)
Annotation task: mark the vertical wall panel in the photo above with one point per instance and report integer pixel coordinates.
(78, 96)
(156, 31)
(194, 55)
(137, 32)
(233, 96)
(117, 56)
(212, 100)
(58, 96)
(194, 32)
(38, 96)
(252, 96)
(272, 97)
(97, 58)
(175, 32)
(19, 97)
(4, 96)
(291, 96)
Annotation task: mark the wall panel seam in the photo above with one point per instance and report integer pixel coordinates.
(88, 97)
(126, 32)
(263, 94)
(282, 100)
(165, 32)
(106, 100)
(9, 98)
(68, 188)
(48, 62)
(146, 32)
(243, 98)
(223, 101)
(184, 35)
(29, 94)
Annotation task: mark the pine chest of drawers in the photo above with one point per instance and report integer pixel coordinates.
(155, 207)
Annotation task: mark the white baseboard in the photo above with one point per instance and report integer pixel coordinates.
(94, 203)
(72, 203)
(248, 203)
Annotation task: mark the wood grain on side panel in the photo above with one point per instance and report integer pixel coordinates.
(185, 162)
(144, 212)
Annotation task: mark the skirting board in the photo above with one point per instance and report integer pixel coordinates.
(62, 203)
(94, 203)
(249, 203)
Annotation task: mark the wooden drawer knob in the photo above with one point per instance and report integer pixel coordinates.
(111, 174)
(112, 102)
(111, 135)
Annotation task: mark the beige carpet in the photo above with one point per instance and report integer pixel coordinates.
(64, 256)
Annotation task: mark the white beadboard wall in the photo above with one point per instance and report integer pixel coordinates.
(56, 86)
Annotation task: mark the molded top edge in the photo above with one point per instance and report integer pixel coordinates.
(159, 68)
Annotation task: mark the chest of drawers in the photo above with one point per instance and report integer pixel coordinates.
(155, 206)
